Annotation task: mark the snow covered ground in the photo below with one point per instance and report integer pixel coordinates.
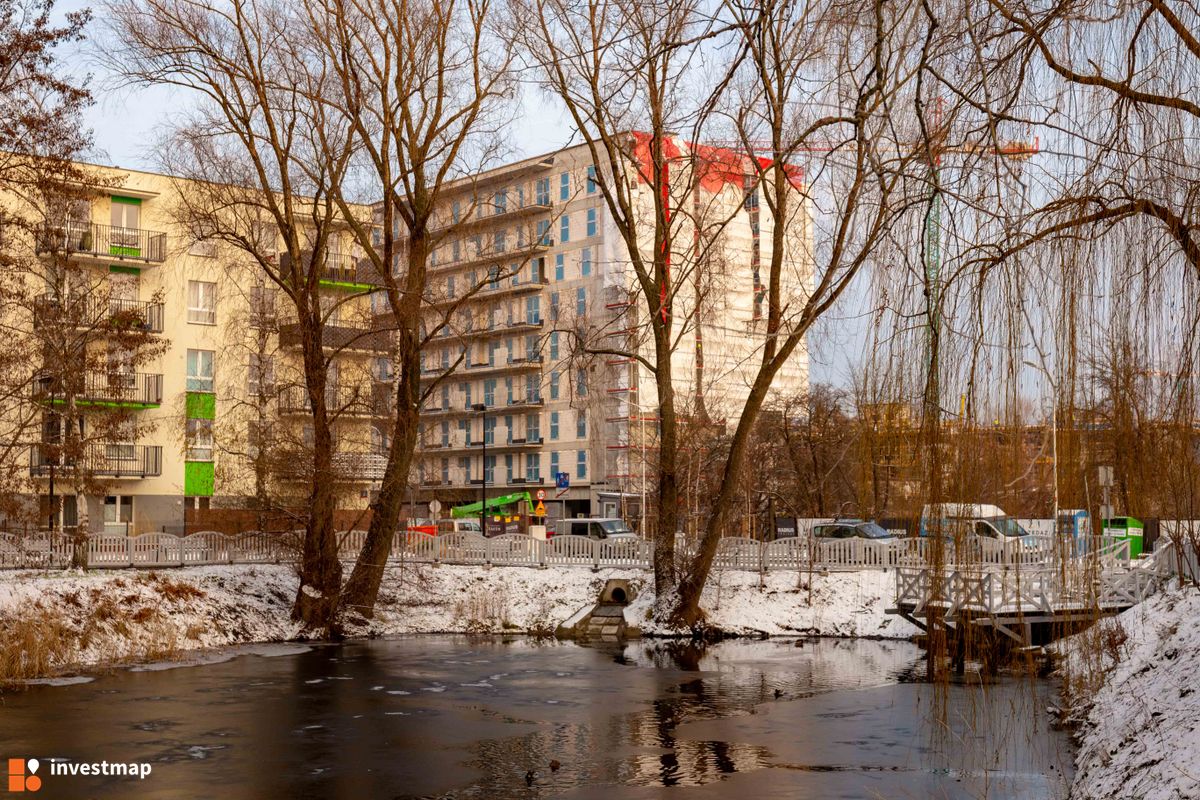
(58, 621)
(1133, 686)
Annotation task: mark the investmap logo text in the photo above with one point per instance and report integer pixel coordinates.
(23, 772)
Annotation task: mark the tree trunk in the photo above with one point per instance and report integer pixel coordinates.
(320, 571)
(666, 577)
(362, 590)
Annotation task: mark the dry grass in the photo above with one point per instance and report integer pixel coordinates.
(177, 590)
(34, 645)
(482, 611)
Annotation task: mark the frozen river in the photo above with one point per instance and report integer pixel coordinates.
(462, 717)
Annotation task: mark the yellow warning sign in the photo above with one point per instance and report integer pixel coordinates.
(539, 510)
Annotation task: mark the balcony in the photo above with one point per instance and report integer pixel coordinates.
(86, 312)
(342, 336)
(117, 460)
(497, 216)
(517, 404)
(360, 467)
(104, 242)
(490, 256)
(103, 389)
(342, 271)
(367, 402)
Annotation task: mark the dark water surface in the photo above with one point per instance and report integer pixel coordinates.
(461, 717)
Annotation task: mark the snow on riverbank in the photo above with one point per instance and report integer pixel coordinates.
(57, 621)
(1132, 688)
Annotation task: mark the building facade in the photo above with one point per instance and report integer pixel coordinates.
(532, 280)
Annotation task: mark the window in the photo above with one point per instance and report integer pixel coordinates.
(553, 426)
(564, 186)
(564, 229)
(450, 287)
(539, 269)
(581, 382)
(533, 428)
(585, 262)
(200, 371)
(260, 374)
(581, 464)
(489, 430)
(554, 385)
(445, 470)
(533, 309)
(508, 472)
(202, 302)
(515, 269)
(456, 250)
(508, 390)
(508, 429)
(533, 349)
(199, 440)
(532, 468)
(494, 277)
(543, 192)
(489, 392)
(591, 222)
(498, 239)
(553, 464)
(445, 358)
(126, 213)
(262, 306)
(445, 398)
(465, 388)
(533, 391)
(554, 345)
(500, 202)
(581, 302)
(489, 469)
(581, 425)
(543, 232)
(554, 306)
(559, 267)
(454, 212)
(204, 248)
(464, 468)
(591, 179)
(445, 433)
(383, 369)
(118, 510)
(520, 197)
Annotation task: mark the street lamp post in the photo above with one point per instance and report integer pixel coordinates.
(482, 409)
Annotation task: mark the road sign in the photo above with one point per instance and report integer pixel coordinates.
(541, 495)
(562, 480)
(434, 507)
(540, 509)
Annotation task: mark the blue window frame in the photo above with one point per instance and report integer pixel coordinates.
(581, 301)
(489, 469)
(591, 222)
(533, 428)
(533, 309)
(591, 179)
(554, 306)
(508, 473)
(581, 382)
(554, 462)
(533, 467)
(554, 385)
(508, 429)
(508, 390)
(489, 392)
(543, 192)
(585, 262)
(489, 430)
(581, 464)
(553, 426)
(564, 186)
(581, 425)
(554, 346)
(559, 267)
(564, 229)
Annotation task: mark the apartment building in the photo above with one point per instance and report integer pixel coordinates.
(214, 418)
(530, 276)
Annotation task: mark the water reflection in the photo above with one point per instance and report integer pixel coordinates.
(458, 717)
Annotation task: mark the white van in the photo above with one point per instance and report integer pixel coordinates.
(981, 519)
(593, 528)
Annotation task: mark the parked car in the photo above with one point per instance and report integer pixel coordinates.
(981, 519)
(593, 528)
(458, 526)
(851, 529)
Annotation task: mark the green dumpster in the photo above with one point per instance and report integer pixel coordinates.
(1129, 528)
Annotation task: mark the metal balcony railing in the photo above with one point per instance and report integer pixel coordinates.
(98, 312)
(104, 241)
(341, 336)
(108, 460)
(128, 389)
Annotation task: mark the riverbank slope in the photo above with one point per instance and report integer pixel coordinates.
(64, 620)
(1132, 690)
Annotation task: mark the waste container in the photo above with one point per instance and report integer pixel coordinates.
(1129, 528)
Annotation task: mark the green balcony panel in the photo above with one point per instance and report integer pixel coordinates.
(201, 405)
(198, 478)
